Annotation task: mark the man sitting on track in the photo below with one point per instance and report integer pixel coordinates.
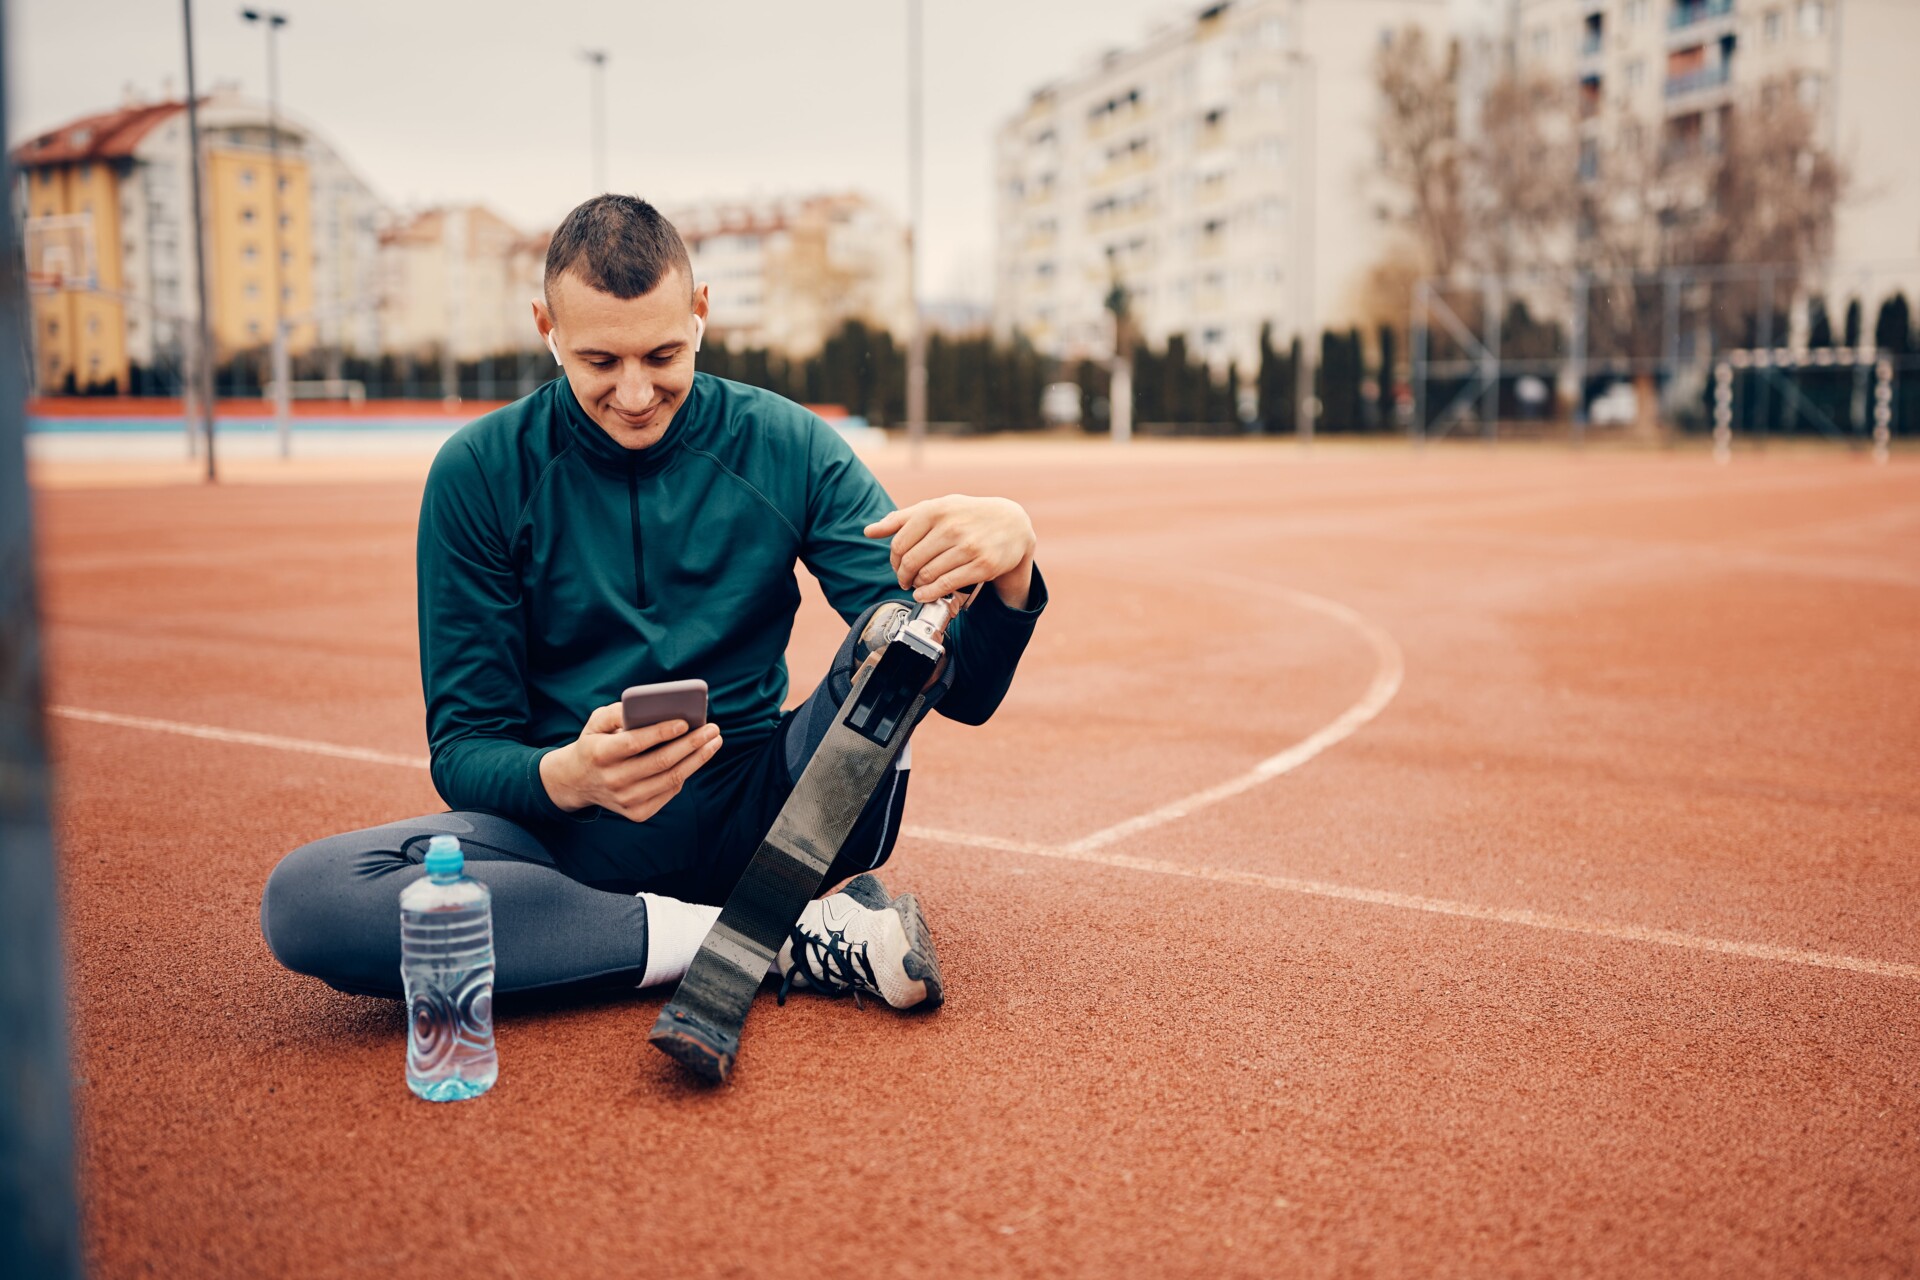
(632, 522)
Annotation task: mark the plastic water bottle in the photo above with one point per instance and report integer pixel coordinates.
(446, 961)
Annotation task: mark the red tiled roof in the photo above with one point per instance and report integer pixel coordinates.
(107, 136)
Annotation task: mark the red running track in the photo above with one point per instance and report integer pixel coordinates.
(1594, 951)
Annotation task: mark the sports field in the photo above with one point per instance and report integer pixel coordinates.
(1470, 862)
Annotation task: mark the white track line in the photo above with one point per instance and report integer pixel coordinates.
(1387, 675)
(241, 737)
(1155, 866)
(1431, 906)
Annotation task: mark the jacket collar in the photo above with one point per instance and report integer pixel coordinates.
(607, 454)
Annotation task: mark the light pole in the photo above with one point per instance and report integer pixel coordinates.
(282, 365)
(203, 371)
(597, 59)
(1307, 405)
(917, 334)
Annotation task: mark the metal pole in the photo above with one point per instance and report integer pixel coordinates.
(1417, 322)
(1882, 409)
(1669, 332)
(1490, 304)
(1578, 358)
(597, 59)
(207, 354)
(1762, 388)
(39, 1224)
(1722, 413)
(1305, 323)
(917, 334)
(282, 362)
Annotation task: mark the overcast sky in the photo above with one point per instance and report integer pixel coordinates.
(487, 100)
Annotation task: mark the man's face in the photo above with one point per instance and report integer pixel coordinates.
(628, 360)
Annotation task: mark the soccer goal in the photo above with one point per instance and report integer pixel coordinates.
(1775, 365)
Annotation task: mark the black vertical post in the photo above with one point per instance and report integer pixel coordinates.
(39, 1225)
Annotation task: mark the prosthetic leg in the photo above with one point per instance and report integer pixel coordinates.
(700, 1027)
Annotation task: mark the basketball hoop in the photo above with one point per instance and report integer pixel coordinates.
(60, 254)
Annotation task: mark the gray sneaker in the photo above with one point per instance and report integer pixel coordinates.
(858, 941)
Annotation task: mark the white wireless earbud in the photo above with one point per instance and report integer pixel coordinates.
(556, 350)
(699, 330)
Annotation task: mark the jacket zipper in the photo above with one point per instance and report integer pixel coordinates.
(633, 516)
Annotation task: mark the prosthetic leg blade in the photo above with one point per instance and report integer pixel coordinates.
(696, 1044)
(700, 1027)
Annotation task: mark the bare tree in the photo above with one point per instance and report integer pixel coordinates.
(1417, 129)
(1769, 194)
(1537, 177)
(1752, 185)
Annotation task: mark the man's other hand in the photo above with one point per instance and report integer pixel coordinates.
(944, 545)
(631, 772)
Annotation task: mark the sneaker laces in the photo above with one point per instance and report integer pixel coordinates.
(832, 964)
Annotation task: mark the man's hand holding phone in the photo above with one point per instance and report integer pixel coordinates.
(631, 772)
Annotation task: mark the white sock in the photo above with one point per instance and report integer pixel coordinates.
(675, 930)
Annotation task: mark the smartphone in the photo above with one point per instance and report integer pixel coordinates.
(646, 704)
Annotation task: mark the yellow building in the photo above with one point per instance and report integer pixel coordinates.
(242, 248)
(71, 189)
(106, 209)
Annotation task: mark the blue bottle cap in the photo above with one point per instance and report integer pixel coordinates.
(444, 857)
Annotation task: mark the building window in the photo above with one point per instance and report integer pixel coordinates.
(1772, 25)
(252, 290)
(1636, 73)
(1809, 89)
(253, 328)
(1813, 17)
(1635, 12)
(246, 177)
(249, 253)
(86, 166)
(286, 220)
(247, 215)
(1542, 42)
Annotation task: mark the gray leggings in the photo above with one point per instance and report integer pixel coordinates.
(564, 910)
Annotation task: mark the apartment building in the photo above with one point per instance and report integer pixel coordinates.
(106, 212)
(459, 280)
(1681, 66)
(786, 273)
(1223, 173)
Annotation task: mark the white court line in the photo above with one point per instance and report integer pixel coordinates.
(1431, 906)
(1387, 675)
(241, 737)
(1155, 866)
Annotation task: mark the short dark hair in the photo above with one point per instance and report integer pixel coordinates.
(619, 245)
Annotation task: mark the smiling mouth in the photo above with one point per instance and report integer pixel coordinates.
(636, 419)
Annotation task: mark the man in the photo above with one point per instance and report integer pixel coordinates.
(631, 522)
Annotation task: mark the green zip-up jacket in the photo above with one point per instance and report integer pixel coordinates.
(557, 567)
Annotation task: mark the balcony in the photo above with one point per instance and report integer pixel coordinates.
(1688, 13)
(1699, 80)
